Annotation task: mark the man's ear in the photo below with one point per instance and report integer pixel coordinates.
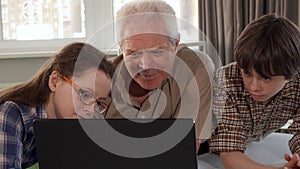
(54, 79)
(177, 43)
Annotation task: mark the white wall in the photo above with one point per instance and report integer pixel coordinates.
(22, 67)
(15, 70)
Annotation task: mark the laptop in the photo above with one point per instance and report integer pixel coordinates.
(115, 143)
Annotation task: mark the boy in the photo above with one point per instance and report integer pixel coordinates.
(258, 93)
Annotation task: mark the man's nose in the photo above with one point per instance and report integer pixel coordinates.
(146, 61)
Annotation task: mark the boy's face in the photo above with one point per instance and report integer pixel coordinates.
(260, 89)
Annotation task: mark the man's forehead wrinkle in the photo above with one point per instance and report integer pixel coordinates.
(145, 42)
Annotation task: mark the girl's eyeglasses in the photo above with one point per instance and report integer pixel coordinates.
(88, 98)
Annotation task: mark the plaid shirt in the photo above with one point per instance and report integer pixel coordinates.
(17, 144)
(241, 120)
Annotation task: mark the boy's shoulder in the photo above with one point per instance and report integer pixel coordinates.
(294, 81)
(229, 71)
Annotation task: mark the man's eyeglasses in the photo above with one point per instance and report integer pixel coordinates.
(87, 98)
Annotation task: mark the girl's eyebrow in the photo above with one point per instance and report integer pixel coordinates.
(87, 89)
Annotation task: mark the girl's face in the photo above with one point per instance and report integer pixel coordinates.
(67, 101)
(260, 89)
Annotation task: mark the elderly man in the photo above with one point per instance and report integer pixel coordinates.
(155, 77)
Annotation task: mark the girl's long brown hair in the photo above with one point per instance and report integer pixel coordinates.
(78, 55)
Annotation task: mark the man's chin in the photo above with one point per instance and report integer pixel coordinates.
(149, 85)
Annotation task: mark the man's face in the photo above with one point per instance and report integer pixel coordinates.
(148, 58)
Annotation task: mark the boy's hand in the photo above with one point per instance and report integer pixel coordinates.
(293, 161)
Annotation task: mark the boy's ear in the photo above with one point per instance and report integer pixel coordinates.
(54, 79)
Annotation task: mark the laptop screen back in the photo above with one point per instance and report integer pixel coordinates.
(115, 144)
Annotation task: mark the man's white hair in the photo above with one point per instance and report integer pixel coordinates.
(146, 16)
